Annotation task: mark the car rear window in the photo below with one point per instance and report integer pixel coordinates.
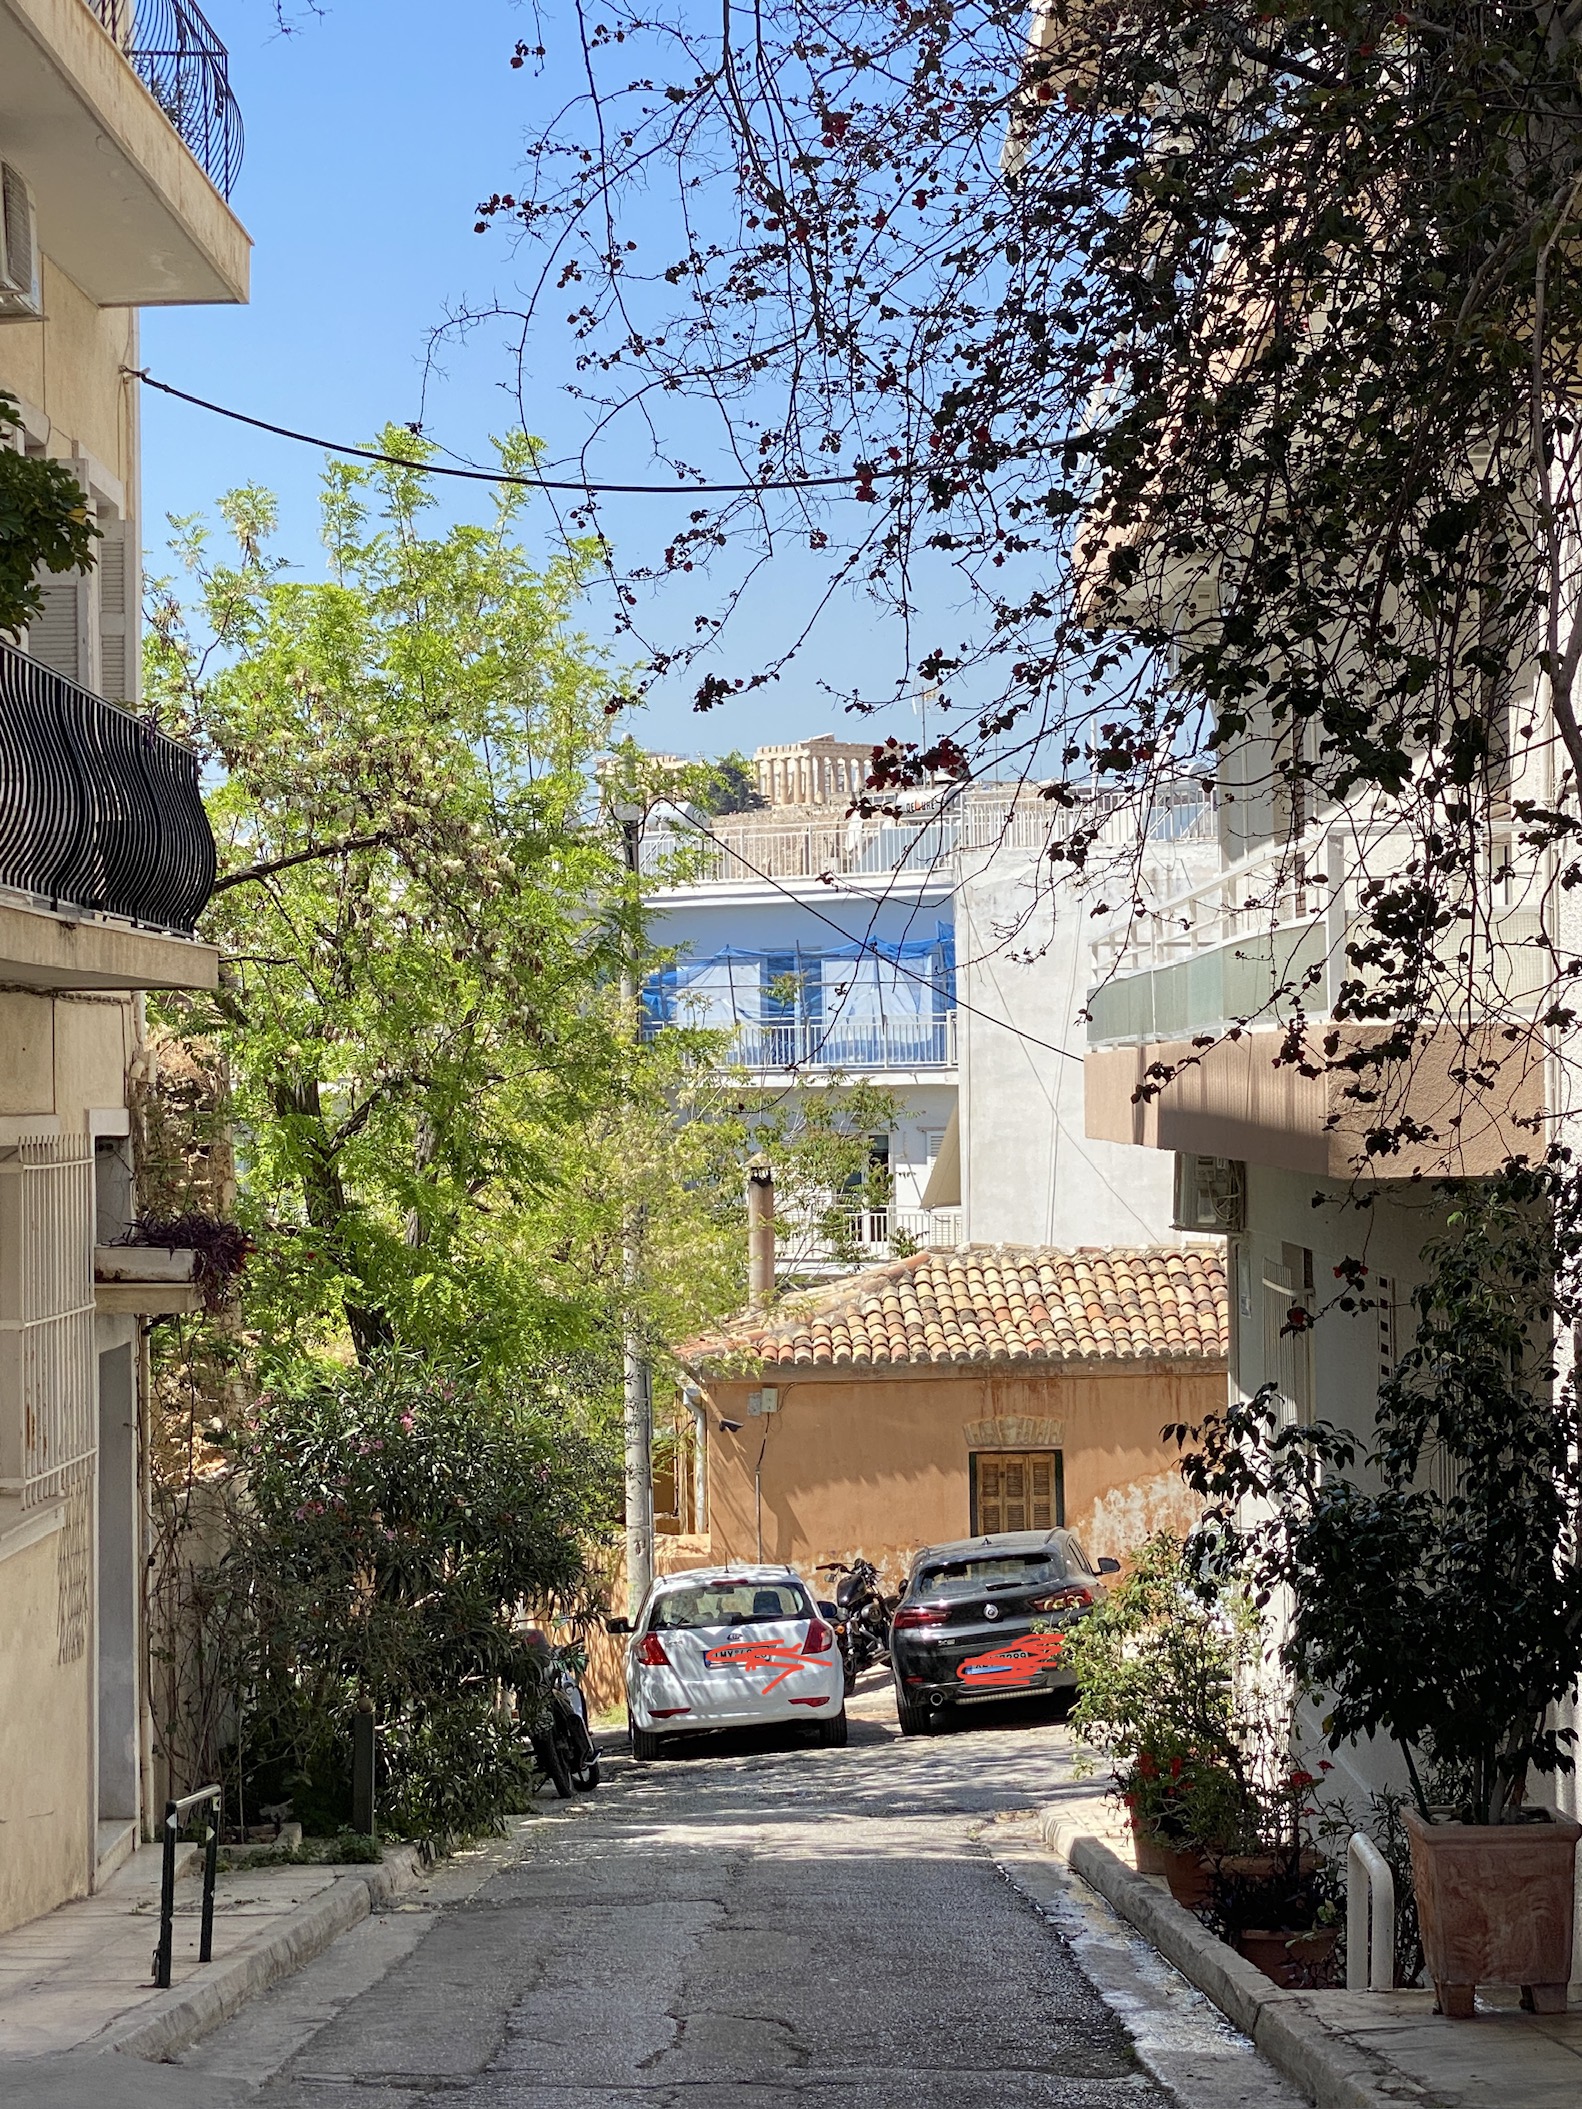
(729, 1604)
(987, 1571)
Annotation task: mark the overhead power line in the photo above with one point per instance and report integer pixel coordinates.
(576, 485)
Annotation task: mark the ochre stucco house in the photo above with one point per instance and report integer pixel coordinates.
(950, 1393)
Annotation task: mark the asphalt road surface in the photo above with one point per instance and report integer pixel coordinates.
(751, 1925)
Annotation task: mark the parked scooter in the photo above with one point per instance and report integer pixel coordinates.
(563, 1746)
(862, 1616)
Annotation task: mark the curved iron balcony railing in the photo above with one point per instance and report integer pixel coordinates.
(98, 811)
(186, 69)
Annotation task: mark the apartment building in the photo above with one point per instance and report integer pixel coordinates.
(931, 950)
(1228, 988)
(119, 142)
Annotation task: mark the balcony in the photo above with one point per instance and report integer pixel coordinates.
(867, 1009)
(1265, 942)
(120, 116)
(922, 836)
(185, 67)
(858, 1046)
(106, 858)
(806, 1247)
(878, 1233)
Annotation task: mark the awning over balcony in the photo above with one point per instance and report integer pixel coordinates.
(106, 857)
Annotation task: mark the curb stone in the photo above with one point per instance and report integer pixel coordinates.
(180, 2016)
(1332, 2071)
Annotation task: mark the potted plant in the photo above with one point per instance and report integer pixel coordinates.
(1437, 1600)
(1159, 1665)
(1277, 1901)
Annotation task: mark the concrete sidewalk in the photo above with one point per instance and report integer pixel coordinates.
(80, 1980)
(1343, 2050)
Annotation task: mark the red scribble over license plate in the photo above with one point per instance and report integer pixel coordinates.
(1012, 1662)
(781, 1655)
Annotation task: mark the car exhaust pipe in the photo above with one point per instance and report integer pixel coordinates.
(936, 1699)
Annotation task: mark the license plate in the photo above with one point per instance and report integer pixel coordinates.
(1012, 1664)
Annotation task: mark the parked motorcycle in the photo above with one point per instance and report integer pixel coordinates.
(563, 1746)
(862, 1615)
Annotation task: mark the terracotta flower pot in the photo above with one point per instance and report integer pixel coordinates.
(1187, 1873)
(1291, 1959)
(1263, 1867)
(1149, 1851)
(1496, 1903)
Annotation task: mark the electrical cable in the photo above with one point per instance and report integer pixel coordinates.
(532, 483)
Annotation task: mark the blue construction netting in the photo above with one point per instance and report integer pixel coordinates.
(869, 1004)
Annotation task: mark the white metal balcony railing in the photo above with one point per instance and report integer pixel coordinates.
(1010, 816)
(879, 1231)
(864, 1044)
(1275, 926)
(868, 1235)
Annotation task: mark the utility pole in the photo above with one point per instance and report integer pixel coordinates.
(638, 1414)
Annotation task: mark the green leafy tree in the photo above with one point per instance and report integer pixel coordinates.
(733, 787)
(44, 524)
(421, 929)
(447, 1118)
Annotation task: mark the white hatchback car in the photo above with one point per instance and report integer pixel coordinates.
(730, 1647)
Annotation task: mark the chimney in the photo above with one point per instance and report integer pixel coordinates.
(760, 1233)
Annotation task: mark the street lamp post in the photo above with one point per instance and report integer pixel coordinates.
(638, 1405)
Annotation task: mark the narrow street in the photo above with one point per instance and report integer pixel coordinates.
(749, 1924)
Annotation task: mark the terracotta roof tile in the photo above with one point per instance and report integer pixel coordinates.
(1004, 1303)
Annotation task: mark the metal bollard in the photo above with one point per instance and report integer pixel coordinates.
(1370, 1917)
(363, 1767)
(174, 1811)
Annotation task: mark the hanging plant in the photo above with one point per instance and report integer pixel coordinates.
(222, 1250)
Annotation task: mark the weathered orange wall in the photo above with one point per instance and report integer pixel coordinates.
(878, 1465)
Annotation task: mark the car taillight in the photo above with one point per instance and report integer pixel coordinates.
(820, 1638)
(651, 1650)
(1075, 1599)
(918, 1615)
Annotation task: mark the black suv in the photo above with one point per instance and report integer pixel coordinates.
(964, 1630)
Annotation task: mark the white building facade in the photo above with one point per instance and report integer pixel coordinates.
(933, 951)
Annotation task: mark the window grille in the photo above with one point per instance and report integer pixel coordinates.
(48, 1427)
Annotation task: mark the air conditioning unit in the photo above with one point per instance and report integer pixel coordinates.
(19, 279)
(1210, 1194)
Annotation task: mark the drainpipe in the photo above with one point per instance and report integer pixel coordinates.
(697, 1406)
(760, 1233)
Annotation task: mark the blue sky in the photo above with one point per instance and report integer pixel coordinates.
(371, 135)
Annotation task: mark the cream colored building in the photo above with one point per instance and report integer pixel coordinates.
(118, 141)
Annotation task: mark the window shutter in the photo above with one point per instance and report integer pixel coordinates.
(1041, 1493)
(54, 636)
(990, 1492)
(1016, 1492)
(117, 630)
